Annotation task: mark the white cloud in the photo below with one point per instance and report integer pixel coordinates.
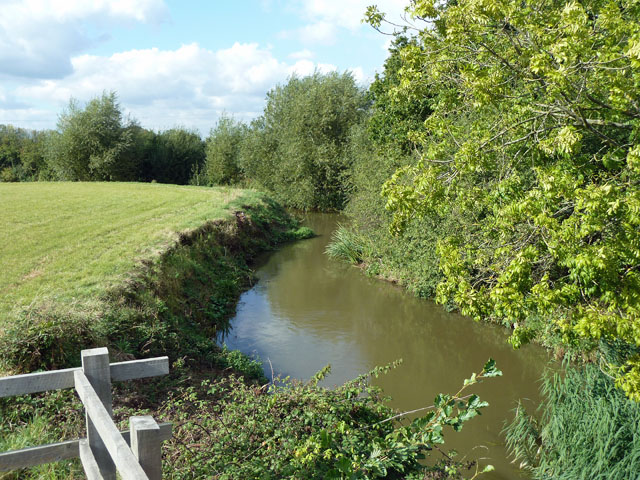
(349, 14)
(302, 54)
(39, 37)
(27, 117)
(303, 68)
(358, 75)
(325, 18)
(188, 86)
(323, 33)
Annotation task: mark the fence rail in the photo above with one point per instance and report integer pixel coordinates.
(136, 454)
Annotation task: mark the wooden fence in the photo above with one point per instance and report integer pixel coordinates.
(135, 455)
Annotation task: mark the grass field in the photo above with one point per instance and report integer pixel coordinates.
(68, 242)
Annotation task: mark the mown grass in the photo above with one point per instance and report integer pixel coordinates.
(68, 242)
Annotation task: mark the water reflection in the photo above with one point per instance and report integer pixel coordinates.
(307, 311)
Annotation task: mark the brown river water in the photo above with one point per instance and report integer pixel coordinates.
(307, 311)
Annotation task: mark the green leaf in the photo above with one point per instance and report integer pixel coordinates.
(490, 369)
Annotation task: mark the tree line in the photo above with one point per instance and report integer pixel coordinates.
(297, 149)
(96, 143)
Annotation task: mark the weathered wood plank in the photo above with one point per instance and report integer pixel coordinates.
(150, 367)
(165, 433)
(146, 445)
(30, 457)
(33, 456)
(36, 382)
(59, 379)
(96, 369)
(123, 457)
(89, 464)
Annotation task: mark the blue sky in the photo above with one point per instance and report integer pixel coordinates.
(175, 63)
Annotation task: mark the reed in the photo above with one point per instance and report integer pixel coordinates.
(584, 428)
(346, 245)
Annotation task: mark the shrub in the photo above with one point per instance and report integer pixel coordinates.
(228, 430)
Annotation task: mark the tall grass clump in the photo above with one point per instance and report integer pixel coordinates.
(346, 245)
(586, 429)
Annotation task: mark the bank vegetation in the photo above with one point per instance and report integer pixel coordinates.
(493, 165)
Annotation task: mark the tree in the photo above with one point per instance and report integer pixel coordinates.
(91, 143)
(297, 148)
(21, 153)
(533, 146)
(175, 154)
(223, 151)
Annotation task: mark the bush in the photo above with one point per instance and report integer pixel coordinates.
(228, 430)
(173, 155)
(346, 245)
(91, 142)
(8, 174)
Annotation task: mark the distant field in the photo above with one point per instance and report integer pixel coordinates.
(67, 242)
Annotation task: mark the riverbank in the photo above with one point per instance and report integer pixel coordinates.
(228, 422)
(557, 431)
(145, 269)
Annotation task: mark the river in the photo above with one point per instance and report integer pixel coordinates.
(307, 311)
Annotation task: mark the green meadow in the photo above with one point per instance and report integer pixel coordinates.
(70, 242)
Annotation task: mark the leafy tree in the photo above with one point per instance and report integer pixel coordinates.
(32, 155)
(297, 148)
(10, 146)
(394, 116)
(223, 151)
(91, 143)
(376, 149)
(21, 153)
(175, 154)
(533, 144)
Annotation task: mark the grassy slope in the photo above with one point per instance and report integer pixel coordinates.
(122, 266)
(70, 241)
(142, 268)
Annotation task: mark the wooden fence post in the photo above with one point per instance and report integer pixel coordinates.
(146, 445)
(95, 365)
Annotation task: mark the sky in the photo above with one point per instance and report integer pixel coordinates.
(176, 63)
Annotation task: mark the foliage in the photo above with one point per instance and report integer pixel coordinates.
(21, 154)
(299, 430)
(223, 151)
(239, 362)
(173, 156)
(377, 148)
(393, 117)
(296, 149)
(345, 245)
(91, 143)
(533, 146)
(587, 429)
